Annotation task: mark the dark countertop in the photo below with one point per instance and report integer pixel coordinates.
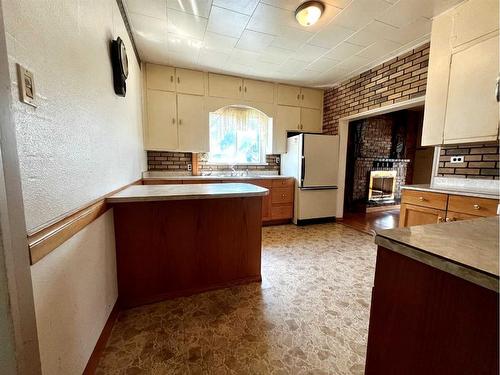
(468, 249)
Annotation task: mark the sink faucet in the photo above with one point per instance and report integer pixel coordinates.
(233, 170)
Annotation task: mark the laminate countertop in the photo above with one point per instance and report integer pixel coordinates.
(453, 191)
(467, 249)
(151, 193)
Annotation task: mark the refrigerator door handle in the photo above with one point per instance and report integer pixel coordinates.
(303, 171)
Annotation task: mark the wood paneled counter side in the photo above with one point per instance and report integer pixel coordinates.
(435, 300)
(175, 240)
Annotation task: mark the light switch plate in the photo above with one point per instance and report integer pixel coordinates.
(456, 159)
(190, 167)
(26, 83)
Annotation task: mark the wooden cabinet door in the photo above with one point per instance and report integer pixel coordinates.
(258, 91)
(311, 98)
(193, 123)
(287, 118)
(160, 77)
(289, 95)
(189, 81)
(161, 121)
(472, 110)
(310, 120)
(411, 215)
(224, 86)
(473, 19)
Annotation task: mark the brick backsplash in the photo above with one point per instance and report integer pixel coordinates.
(480, 161)
(178, 161)
(399, 79)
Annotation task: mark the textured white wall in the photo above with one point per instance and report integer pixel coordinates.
(82, 141)
(75, 289)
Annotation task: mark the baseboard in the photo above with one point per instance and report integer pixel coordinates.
(319, 220)
(91, 367)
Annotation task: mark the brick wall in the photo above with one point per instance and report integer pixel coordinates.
(480, 161)
(399, 79)
(178, 162)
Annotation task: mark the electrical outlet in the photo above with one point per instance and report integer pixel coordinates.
(277, 160)
(456, 159)
(26, 83)
(190, 167)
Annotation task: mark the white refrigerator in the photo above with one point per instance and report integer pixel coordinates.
(312, 159)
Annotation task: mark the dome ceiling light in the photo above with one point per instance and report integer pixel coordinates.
(308, 13)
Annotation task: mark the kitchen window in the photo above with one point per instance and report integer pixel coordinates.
(239, 135)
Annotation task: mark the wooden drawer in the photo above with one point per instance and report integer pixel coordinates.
(187, 182)
(283, 182)
(425, 199)
(281, 212)
(456, 216)
(472, 206)
(281, 195)
(262, 183)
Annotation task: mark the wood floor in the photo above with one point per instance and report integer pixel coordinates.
(371, 222)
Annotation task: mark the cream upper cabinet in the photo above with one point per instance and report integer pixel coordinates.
(192, 119)
(311, 98)
(189, 81)
(224, 86)
(161, 131)
(287, 118)
(159, 77)
(472, 110)
(460, 103)
(258, 91)
(473, 19)
(310, 120)
(288, 95)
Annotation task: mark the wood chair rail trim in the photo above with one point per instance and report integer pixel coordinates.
(46, 239)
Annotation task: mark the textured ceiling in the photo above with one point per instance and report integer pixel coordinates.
(262, 39)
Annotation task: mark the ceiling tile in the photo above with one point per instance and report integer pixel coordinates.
(186, 24)
(151, 8)
(241, 57)
(197, 7)
(227, 22)
(309, 53)
(343, 51)
(353, 63)
(269, 19)
(254, 41)
(183, 45)
(379, 49)
(219, 42)
(292, 66)
(322, 65)
(211, 58)
(152, 51)
(360, 12)
(274, 55)
(149, 28)
(406, 34)
(241, 6)
(291, 38)
(331, 36)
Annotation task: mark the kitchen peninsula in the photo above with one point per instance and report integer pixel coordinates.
(435, 300)
(176, 240)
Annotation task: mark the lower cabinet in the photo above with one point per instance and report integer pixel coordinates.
(423, 207)
(277, 206)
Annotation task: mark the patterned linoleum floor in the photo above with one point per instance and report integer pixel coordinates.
(309, 315)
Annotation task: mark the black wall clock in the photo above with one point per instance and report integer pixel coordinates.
(119, 61)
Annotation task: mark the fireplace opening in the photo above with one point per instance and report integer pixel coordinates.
(382, 186)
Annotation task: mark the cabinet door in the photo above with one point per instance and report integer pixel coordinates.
(437, 81)
(411, 215)
(258, 91)
(162, 122)
(266, 199)
(310, 120)
(160, 77)
(456, 216)
(311, 98)
(472, 110)
(189, 81)
(224, 86)
(289, 95)
(287, 118)
(473, 19)
(193, 123)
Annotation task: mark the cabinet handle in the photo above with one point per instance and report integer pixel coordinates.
(448, 219)
(178, 79)
(302, 96)
(173, 121)
(239, 88)
(497, 89)
(421, 199)
(440, 219)
(171, 78)
(245, 89)
(180, 121)
(298, 96)
(477, 207)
